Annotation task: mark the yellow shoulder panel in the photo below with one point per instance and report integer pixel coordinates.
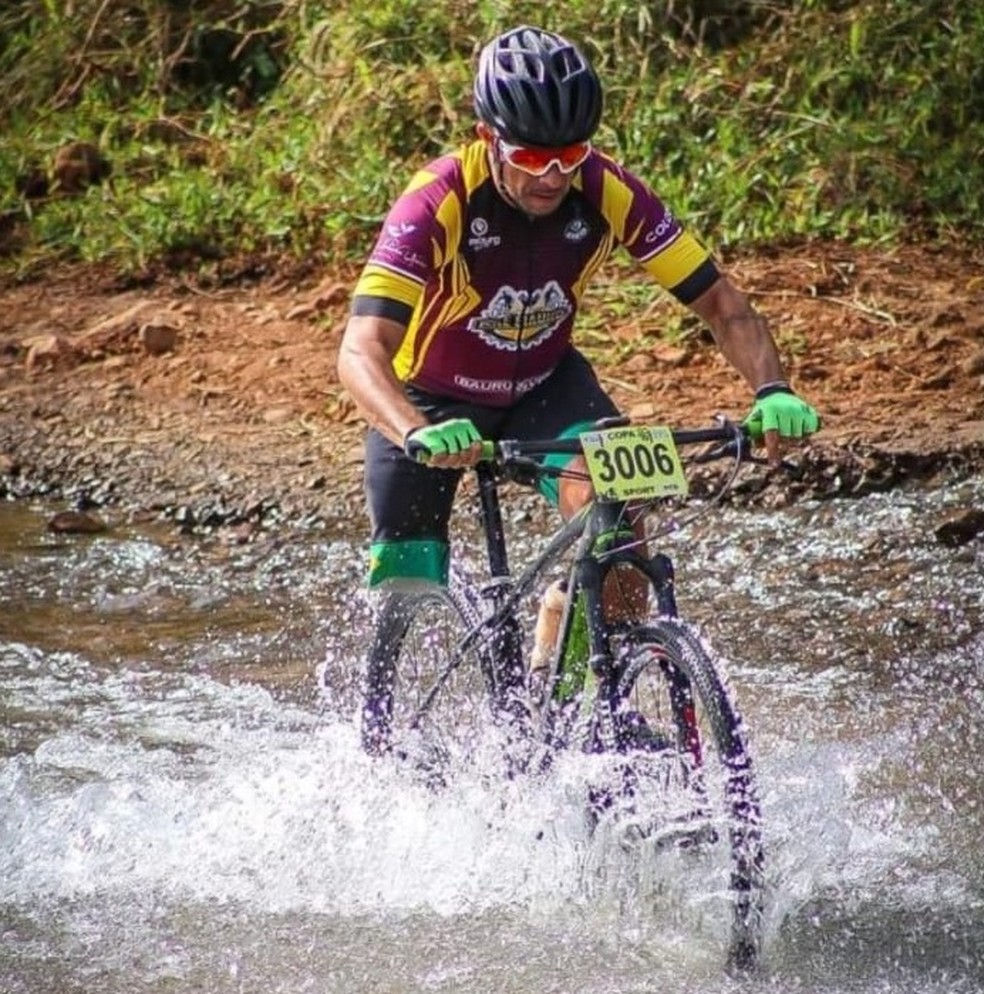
(677, 261)
(616, 199)
(378, 281)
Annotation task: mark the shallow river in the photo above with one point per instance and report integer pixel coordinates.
(182, 810)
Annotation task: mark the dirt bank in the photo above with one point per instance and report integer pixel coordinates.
(214, 402)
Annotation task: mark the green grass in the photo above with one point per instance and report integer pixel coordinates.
(288, 127)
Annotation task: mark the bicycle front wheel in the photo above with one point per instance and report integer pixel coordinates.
(679, 726)
(429, 679)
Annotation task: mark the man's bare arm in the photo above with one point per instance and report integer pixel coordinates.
(741, 333)
(365, 367)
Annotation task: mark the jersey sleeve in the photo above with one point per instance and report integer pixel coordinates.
(411, 245)
(653, 236)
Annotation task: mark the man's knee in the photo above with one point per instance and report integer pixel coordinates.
(575, 491)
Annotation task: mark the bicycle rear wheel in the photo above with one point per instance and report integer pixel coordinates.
(687, 749)
(429, 681)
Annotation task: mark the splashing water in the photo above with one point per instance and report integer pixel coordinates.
(179, 812)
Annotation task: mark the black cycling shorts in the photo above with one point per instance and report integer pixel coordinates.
(408, 500)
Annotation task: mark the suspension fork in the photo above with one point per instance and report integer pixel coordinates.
(591, 569)
(590, 572)
(589, 578)
(658, 568)
(593, 566)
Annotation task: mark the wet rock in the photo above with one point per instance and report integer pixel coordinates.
(960, 528)
(75, 523)
(184, 515)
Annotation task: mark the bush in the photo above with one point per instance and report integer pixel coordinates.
(288, 127)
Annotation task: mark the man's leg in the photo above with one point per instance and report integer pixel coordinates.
(409, 508)
(562, 406)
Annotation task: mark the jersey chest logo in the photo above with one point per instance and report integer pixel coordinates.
(522, 317)
(480, 237)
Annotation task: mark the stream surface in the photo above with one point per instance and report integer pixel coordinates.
(184, 807)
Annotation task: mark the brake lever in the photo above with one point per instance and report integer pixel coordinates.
(741, 448)
(783, 464)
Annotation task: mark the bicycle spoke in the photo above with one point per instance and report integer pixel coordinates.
(428, 691)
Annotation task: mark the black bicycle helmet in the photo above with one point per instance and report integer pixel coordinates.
(534, 87)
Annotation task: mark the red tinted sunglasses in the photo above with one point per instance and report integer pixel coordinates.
(537, 161)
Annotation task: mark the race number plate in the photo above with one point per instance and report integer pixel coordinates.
(634, 463)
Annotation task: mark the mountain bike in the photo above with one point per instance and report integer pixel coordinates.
(447, 664)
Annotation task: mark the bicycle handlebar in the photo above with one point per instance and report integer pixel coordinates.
(735, 439)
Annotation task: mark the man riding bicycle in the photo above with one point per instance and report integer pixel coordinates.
(461, 321)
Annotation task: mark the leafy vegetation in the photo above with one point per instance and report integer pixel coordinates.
(238, 126)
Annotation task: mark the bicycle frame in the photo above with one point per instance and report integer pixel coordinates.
(590, 566)
(504, 592)
(588, 573)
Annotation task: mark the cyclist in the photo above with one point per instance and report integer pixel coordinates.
(461, 321)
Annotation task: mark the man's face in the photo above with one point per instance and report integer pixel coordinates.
(536, 196)
(534, 180)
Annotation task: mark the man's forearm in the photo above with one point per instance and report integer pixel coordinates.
(746, 342)
(741, 334)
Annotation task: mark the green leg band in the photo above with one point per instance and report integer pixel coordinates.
(409, 559)
(609, 540)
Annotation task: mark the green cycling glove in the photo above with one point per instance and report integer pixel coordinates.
(777, 408)
(446, 438)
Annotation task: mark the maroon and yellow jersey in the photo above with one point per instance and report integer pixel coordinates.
(488, 294)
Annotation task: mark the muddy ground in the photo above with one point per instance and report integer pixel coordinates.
(212, 401)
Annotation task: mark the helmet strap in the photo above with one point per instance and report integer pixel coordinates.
(498, 174)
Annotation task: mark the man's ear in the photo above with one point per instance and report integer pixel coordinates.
(485, 132)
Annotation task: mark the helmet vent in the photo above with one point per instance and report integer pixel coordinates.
(537, 88)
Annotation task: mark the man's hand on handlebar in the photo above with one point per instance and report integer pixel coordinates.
(451, 444)
(777, 415)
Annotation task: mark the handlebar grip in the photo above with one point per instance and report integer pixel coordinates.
(752, 430)
(416, 450)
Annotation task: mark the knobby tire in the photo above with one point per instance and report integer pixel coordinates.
(678, 703)
(430, 680)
